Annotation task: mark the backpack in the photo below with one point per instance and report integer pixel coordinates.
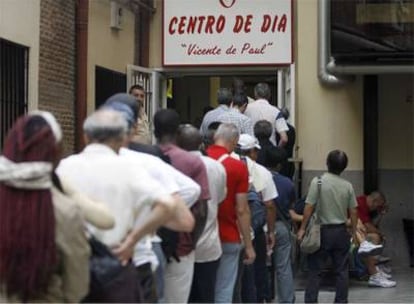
(257, 209)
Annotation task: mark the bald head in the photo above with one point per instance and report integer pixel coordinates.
(188, 137)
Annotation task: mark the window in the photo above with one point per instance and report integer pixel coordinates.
(376, 32)
(13, 84)
(107, 83)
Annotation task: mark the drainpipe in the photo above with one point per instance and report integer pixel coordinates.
(82, 11)
(324, 44)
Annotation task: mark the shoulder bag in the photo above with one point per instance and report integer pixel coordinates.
(311, 241)
(110, 281)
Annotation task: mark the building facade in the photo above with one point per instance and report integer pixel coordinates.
(71, 55)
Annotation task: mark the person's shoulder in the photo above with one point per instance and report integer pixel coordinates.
(235, 164)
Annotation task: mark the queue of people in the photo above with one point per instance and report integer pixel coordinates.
(198, 214)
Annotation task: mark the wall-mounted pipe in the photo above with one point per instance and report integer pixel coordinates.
(324, 45)
(369, 70)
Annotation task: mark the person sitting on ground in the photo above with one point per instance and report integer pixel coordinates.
(371, 238)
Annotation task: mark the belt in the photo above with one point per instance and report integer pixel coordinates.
(328, 226)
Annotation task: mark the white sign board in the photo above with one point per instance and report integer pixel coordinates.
(227, 32)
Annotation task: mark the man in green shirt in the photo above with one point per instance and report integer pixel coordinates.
(336, 199)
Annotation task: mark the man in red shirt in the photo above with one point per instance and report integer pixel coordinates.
(233, 213)
(368, 205)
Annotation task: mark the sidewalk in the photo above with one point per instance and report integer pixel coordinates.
(359, 292)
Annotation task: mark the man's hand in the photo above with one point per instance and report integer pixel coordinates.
(124, 251)
(301, 233)
(250, 255)
(270, 240)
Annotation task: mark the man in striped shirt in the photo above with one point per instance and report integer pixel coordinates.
(224, 98)
(235, 115)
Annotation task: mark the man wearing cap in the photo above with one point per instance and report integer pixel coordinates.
(262, 181)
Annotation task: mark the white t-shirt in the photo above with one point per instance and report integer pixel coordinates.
(173, 181)
(269, 191)
(208, 247)
(261, 109)
(126, 189)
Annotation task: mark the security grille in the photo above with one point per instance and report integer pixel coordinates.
(14, 60)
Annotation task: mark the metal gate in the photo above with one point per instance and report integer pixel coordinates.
(155, 86)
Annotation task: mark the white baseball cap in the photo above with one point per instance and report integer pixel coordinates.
(247, 142)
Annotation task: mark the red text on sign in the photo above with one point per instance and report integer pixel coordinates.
(196, 24)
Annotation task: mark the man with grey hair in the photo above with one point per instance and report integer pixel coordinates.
(224, 99)
(233, 214)
(148, 257)
(138, 202)
(262, 109)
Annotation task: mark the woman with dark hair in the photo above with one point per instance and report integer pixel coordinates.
(44, 252)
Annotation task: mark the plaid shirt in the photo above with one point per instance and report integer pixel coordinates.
(242, 122)
(212, 116)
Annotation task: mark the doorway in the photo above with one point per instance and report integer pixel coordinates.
(192, 96)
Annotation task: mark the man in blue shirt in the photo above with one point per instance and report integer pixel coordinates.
(284, 203)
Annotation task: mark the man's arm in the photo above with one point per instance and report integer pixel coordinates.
(353, 214)
(283, 139)
(270, 221)
(243, 217)
(371, 228)
(306, 215)
(182, 219)
(163, 209)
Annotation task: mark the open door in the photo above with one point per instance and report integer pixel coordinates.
(155, 85)
(286, 90)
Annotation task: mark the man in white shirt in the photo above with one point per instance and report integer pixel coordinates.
(208, 249)
(174, 182)
(139, 203)
(261, 109)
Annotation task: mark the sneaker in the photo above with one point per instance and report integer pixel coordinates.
(367, 248)
(377, 280)
(384, 274)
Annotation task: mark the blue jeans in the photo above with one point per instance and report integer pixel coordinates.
(227, 272)
(283, 266)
